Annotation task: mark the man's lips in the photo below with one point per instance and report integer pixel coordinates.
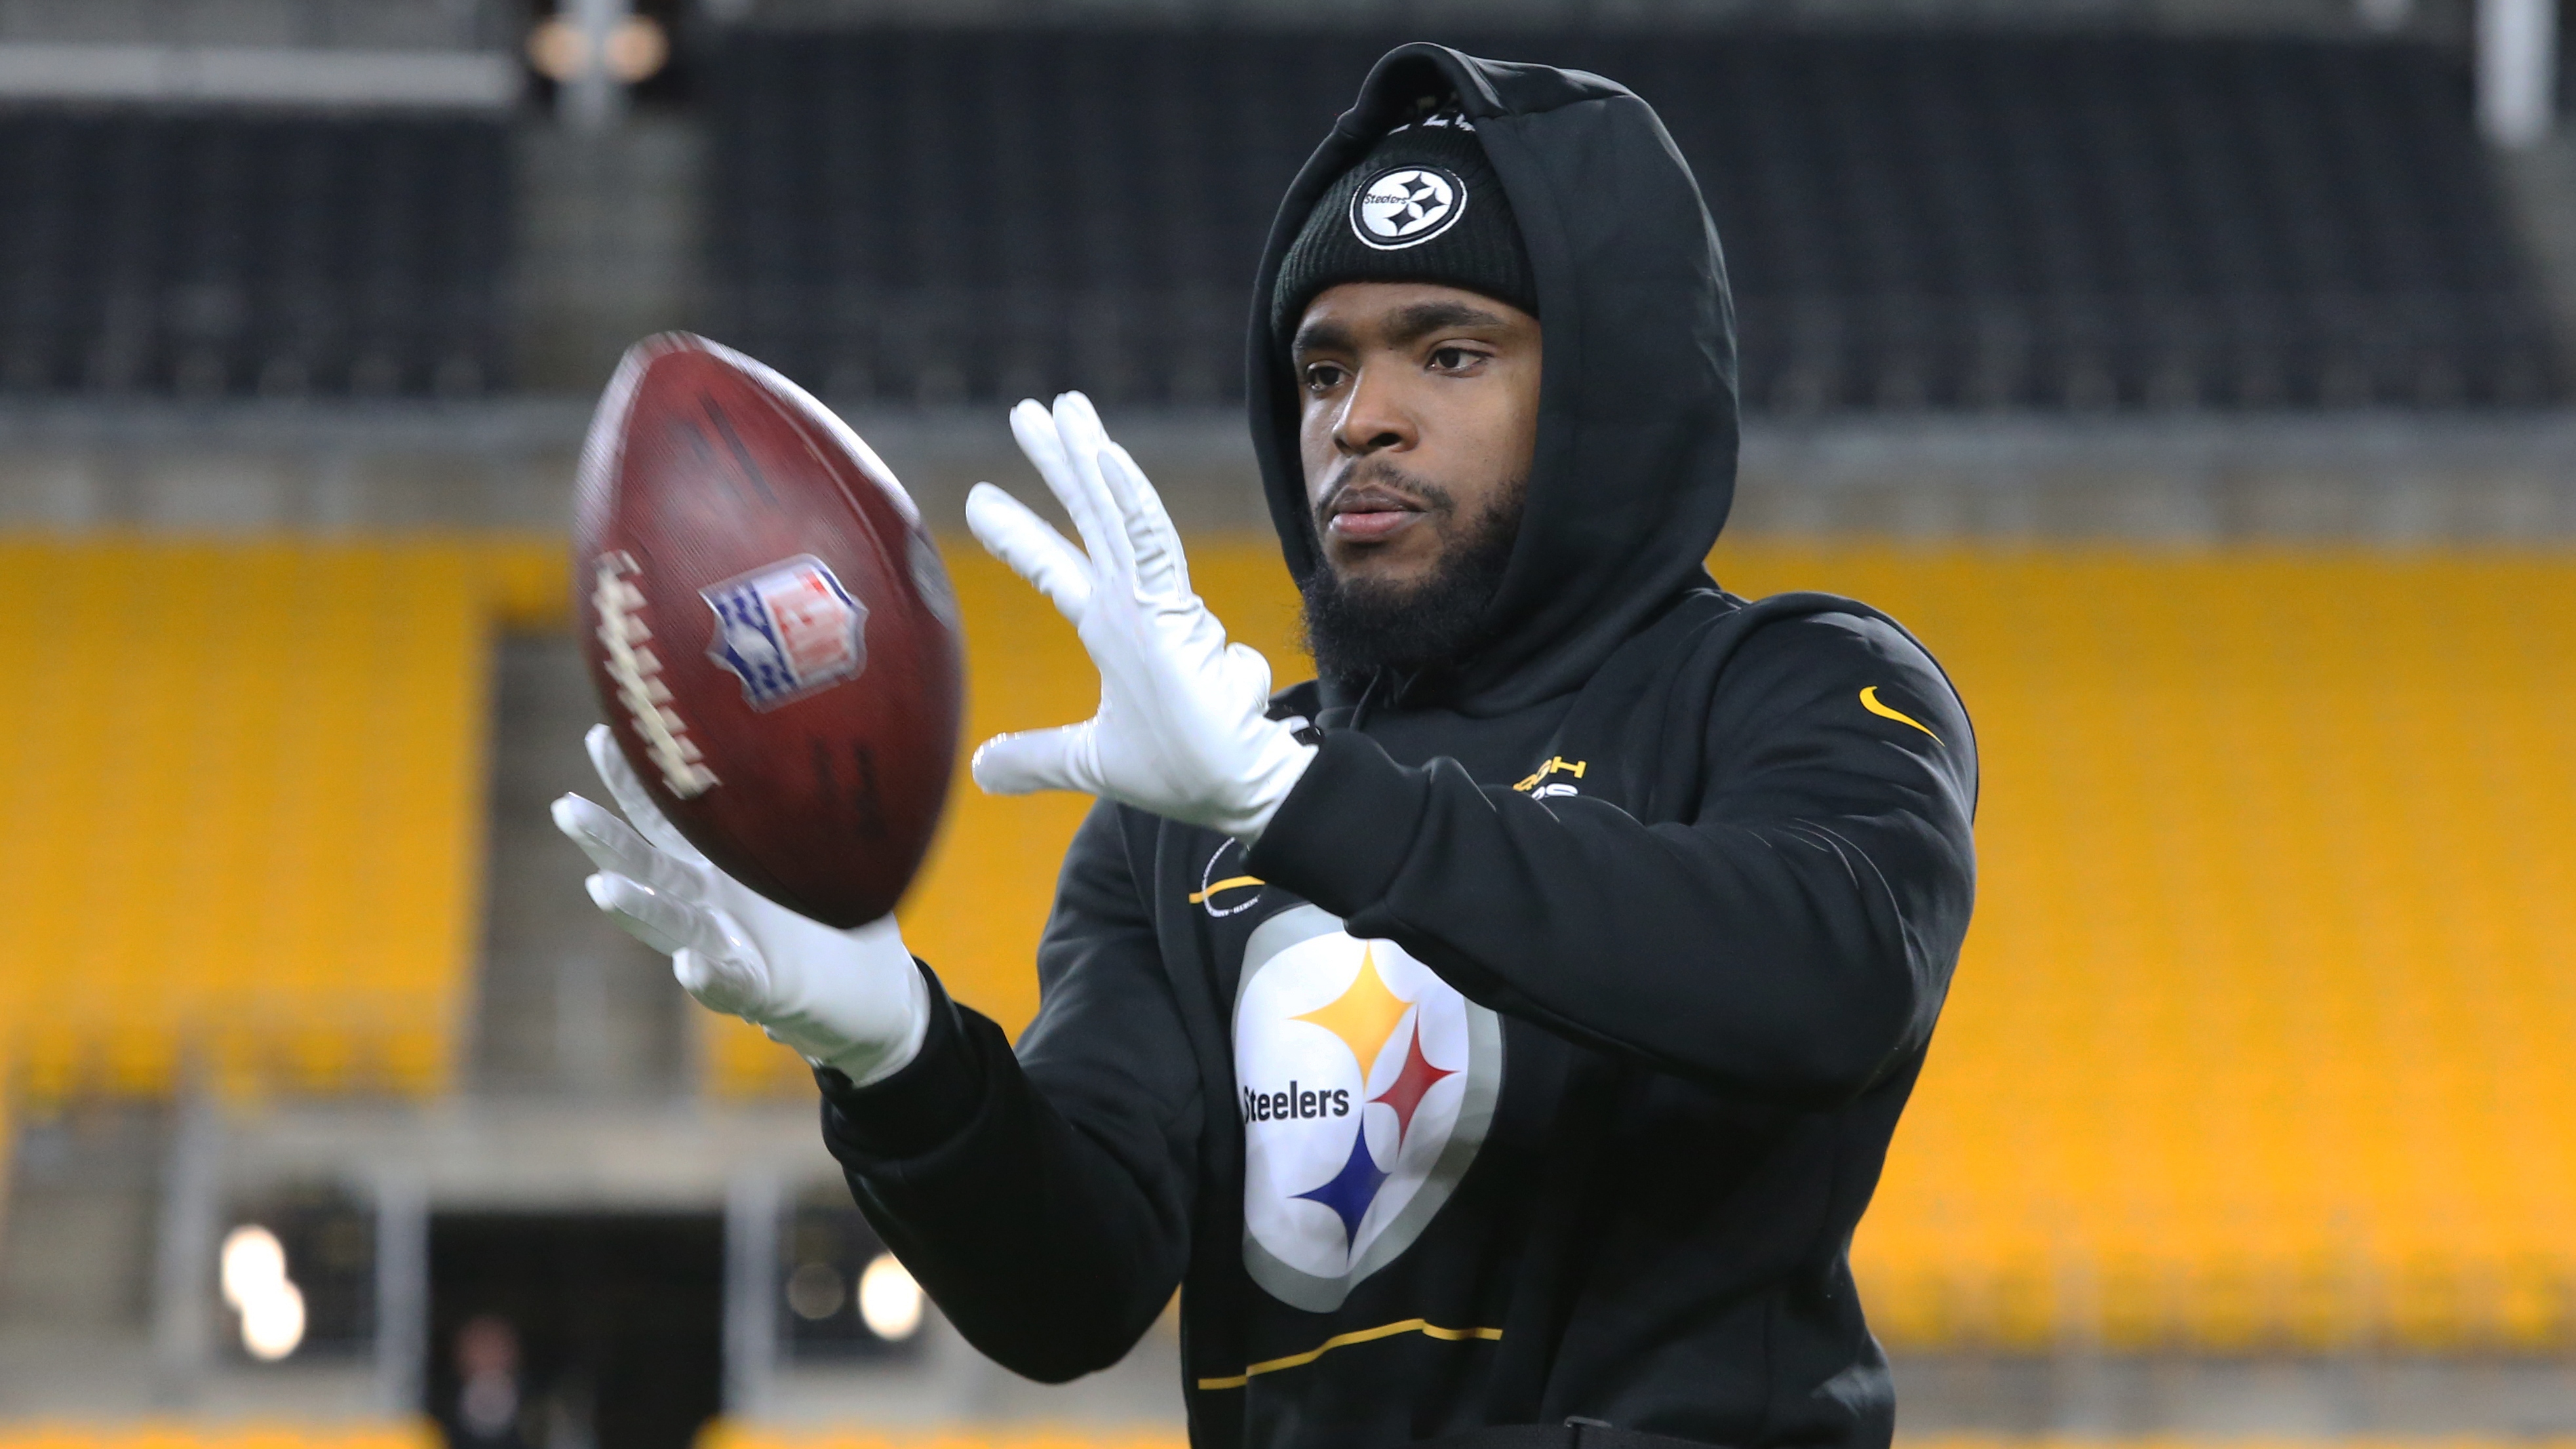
(1372, 525)
(1369, 516)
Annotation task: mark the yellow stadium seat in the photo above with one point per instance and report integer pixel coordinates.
(245, 829)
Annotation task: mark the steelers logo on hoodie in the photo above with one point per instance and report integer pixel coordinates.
(1366, 1084)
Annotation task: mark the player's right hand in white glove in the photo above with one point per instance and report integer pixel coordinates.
(847, 999)
(1184, 729)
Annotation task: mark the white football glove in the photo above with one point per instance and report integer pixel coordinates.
(1181, 731)
(848, 999)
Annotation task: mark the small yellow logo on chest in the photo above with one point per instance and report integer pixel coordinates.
(1869, 700)
(1556, 765)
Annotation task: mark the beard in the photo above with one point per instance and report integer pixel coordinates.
(1425, 628)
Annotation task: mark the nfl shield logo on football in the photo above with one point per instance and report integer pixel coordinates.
(787, 629)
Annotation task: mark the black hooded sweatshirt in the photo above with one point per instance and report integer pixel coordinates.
(1539, 1060)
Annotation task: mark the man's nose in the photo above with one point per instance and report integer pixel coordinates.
(1373, 420)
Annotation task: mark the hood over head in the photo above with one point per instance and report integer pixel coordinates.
(1635, 463)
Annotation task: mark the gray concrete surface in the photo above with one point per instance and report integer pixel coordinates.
(2190, 479)
(393, 24)
(2389, 1396)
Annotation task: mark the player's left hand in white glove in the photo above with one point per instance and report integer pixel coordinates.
(1182, 730)
(847, 999)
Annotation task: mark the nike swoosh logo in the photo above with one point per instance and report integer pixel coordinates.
(1869, 701)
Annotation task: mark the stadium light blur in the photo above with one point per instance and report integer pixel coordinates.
(272, 1324)
(635, 49)
(255, 1285)
(253, 1262)
(889, 1300)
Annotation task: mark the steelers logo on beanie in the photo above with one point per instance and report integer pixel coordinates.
(1422, 206)
(1405, 206)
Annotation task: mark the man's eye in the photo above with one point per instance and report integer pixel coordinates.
(1323, 376)
(1450, 359)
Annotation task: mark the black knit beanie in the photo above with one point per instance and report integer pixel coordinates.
(1422, 206)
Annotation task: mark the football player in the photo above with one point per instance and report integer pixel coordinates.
(1497, 1038)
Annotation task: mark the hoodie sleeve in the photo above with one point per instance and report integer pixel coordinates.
(1791, 941)
(1043, 1199)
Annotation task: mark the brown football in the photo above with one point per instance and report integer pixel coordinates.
(770, 629)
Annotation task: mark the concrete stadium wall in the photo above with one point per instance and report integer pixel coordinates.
(2401, 480)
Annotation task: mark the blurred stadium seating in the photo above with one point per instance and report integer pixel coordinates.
(215, 872)
(1911, 219)
(1942, 220)
(274, 254)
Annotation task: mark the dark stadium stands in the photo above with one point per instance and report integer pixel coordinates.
(1936, 220)
(212, 254)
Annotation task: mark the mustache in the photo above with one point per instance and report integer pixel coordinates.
(1377, 473)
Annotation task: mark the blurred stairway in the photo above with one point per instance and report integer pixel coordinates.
(76, 1279)
(565, 1002)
